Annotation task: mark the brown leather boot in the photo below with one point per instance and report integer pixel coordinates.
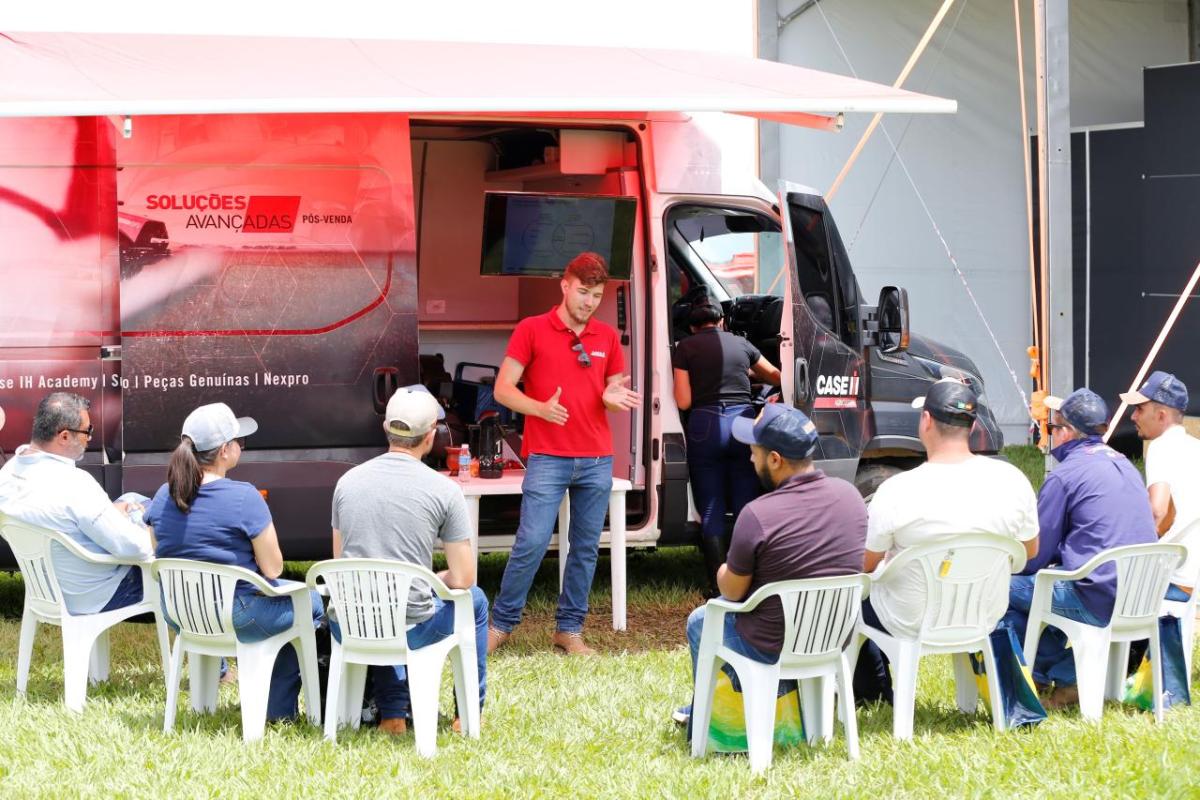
(394, 726)
(572, 644)
(496, 639)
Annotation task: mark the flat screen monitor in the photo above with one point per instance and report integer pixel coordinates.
(537, 235)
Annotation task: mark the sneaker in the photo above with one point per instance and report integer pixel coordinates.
(496, 639)
(682, 715)
(571, 643)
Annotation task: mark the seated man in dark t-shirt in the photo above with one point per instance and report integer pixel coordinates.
(809, 525)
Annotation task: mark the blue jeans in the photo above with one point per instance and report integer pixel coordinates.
(128, 591)
(732, 639)
(1054, 662)
(391, 683)
(547, 478)
(719, 466)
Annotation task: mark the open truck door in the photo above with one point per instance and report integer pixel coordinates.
(824, 372)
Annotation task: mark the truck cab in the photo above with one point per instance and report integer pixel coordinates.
(778, 266)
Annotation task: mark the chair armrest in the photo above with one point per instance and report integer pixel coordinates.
(286, 588)
(82, 553)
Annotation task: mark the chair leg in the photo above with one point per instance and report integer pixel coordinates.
(423, 684)
(466, 688)
(29, 625)
(255, 664)
(310, 680)
(204, 675)
(354, 686)
(1156, 667)
(1091, 650)
(1118, 665)
(333, 694)
(98, 659)
(759, 700)
(164, 641)
(904, 689)
(816, 709)
(849, 715)
(702, 698)
(966, 692)
(174, 674)
(999, 721)
(77, 649)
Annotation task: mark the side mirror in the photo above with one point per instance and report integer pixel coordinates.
(892, 320)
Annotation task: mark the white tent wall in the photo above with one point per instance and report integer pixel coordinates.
(967, 167)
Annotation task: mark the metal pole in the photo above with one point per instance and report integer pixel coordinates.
(1052, 41)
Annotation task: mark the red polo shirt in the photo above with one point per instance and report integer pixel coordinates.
(543, 345)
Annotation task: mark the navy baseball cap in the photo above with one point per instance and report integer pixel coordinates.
(1085, 410)
(1160, 387)
(950, 401)
(781, 428)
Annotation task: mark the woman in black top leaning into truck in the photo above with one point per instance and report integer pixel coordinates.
(712, 378)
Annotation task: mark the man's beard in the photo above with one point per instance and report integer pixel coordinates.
(579, 316)
(764, 477)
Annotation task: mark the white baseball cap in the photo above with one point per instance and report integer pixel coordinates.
(213, 425)
(412, 411)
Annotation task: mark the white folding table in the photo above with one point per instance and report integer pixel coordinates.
(510, 483)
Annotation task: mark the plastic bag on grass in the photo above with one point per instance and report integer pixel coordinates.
(727, 728)
(1017, 692)
(1139, 687)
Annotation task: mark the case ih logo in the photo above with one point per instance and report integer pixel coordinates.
(837, 391)
(260, 213)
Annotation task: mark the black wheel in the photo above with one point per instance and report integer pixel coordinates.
(870, 476)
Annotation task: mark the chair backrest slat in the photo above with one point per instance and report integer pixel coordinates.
(966, 579)
(819, 615)
(33, 549)
(370, 599)
(198, 597)
(1143, 573)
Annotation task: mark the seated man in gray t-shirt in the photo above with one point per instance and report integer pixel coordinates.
(396, 507)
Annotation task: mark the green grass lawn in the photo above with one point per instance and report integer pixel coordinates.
(558, 727)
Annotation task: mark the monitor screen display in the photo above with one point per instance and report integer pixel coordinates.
(537, 235)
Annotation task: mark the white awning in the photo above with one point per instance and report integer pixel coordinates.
(72, 74)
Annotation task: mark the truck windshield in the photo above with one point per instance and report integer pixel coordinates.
(740, 251)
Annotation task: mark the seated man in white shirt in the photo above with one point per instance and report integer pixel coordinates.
(1172, 470)
(953, 492)
(40, 485)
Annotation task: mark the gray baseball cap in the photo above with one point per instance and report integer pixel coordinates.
(213, 425)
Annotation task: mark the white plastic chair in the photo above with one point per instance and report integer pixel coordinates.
(198, 597)
(966, 589)
(85, 636)
(819, 616)
(370, 599)
(1185, 610)
(1101, 654)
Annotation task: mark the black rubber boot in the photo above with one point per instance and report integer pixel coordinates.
(714, 549)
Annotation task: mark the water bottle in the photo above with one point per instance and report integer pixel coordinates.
(464, 462)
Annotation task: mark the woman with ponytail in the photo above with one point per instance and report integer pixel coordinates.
(712, 379)
(201, 514)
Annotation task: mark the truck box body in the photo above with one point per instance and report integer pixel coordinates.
(297, 264)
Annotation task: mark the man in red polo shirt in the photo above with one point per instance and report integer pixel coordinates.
(572, 367)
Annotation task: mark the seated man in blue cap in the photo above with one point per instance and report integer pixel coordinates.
(808, 525)
(1092, 501)
(1172, 470)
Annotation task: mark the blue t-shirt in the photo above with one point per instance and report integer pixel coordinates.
(225, 516)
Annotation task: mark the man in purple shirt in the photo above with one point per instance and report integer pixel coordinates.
(808, 526)
(1093, 501)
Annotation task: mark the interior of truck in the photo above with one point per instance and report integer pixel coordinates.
(465, 318)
